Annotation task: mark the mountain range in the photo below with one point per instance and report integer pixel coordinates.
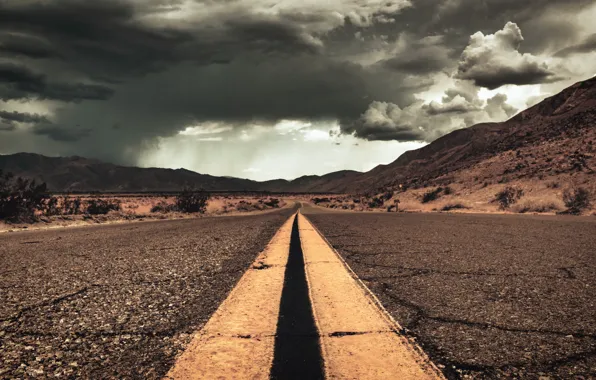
(556, 136)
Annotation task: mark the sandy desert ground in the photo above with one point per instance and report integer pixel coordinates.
(138, 207)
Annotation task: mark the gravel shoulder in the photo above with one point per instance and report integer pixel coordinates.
(118, 301)
(486, 296)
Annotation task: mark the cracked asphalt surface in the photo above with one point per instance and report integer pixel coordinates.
(118, 301)
(486, 296)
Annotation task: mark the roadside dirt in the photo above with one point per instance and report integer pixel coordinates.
(218, 206)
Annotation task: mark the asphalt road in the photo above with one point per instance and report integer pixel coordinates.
(118, 301)
(486, 296)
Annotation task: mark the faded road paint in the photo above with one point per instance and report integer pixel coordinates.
(238, 340)
(359, 340)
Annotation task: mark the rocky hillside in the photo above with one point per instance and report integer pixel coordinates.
(555, 137)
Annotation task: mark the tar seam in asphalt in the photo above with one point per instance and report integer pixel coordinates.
(297, 352)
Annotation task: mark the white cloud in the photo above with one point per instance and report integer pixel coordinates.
(493, 60)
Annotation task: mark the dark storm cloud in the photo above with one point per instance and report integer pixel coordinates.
(19, 82)
(588, 45)
(132, 64)
(106, 40)
(62, 134)
(421, 57)
(495, 77)
(22, 117)
(7, 126)
(22, 45)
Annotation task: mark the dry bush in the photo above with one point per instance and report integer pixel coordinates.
(576, 201)
(20, 198)
(192, 201)
(163, 207)
(376, 202)
(272, 202)
(99, 206)
(454, 206)
(537, 205)
(508, 196)
(71, 206)
(432, 195)
(317, 200)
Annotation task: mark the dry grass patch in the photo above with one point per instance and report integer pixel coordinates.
(538, 205)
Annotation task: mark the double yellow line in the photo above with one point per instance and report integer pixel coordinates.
(358, 339)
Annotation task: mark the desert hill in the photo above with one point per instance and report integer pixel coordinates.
(70, 174)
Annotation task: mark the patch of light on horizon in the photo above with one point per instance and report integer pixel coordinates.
(288, 126)
(315, 135)
(517, 96)
(204, 130)
(210, 139)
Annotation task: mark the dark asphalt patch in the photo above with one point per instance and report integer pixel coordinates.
(116, 302)
(486, 296)
(297, 348)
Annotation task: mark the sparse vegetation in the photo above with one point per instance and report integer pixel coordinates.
(71, 206)
(576, 201)
(454, 206)
(432, 195)
(508, 196)
(192, 201)
(272, 202)
(320, 200)
(98, 206)
(376, 202)
(20, 198)
(163, 207)
(387, 195)
(536, 205)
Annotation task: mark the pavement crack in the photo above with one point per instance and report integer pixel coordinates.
(53, 301)
(422, 314)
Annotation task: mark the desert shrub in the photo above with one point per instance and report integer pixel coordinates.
(454, 206)
(376, 202)
(320, 200)
(21, 198)
(163, 207)
(387, 195)
(99, 206)
(432, 195)
(536, 205)
(508, 196)
(576, 200)
(273, 202)
(192, 201)
(51, 207)
(71, 206)
(447, 190)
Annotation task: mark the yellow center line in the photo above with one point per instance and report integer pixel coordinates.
(359, 340)
(238, 340)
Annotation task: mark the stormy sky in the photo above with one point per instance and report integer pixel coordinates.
(275, 89)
